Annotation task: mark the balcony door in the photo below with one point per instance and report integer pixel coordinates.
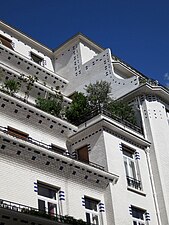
(83, 154)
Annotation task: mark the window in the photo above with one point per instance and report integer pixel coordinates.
(132, 175)
(57, 149)
(47, 199)
(37, 59)
(138, 216)
(91, 211)
(6, 41)
(83, 154)
(17, 133)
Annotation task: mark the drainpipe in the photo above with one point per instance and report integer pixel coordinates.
(153, 186)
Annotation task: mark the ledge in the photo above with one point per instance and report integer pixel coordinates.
(136, 191)
(15, 212)
(60, 123)
(116, 128)
(46, 157)
(36, 68)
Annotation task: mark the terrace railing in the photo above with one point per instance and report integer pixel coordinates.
(16, 207)
(49, 147)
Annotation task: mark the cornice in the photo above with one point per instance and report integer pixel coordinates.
(148, 89)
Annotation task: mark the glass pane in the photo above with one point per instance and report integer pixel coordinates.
(126, 166)
(95, 219)
(91, 204)
(132, 169)
(88, 218)
(128, 153)
(52, 210)
(41, 205)
(46, 192)
(138, 213)
(94, 206)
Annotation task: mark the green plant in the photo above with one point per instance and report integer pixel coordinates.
(78, 109)
(81, 222)
(71, 220)
(143, 80)
(11, 86)
(52, 104)
(29, 84)
(98, 94)
(1, 74)
(98, 98)
(123, 110)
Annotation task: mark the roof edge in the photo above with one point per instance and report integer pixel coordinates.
(24, 35)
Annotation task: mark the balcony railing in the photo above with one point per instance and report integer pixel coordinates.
(90, 115)
(49, 147)
(96, 112)
(134, 183)
(16, 207)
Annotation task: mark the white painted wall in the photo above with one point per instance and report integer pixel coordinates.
(24, 49)
(105, 149)
(157, 131)
(81, 66)
(86, 53)
(122, 198)
(17, 185)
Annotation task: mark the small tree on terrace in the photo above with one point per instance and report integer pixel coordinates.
(78, 108)
(98, 94)
(52, 104)
(11, 86)
(123, 110)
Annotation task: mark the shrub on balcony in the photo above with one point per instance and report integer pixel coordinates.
(52, 104)
(71, 220)
(122, 110)
(78, 109)
(29, 80)
(11, 86)
(97, 98)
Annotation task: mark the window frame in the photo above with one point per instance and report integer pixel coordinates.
(17, 133)
(6, 41)
(41, 59)
(92, 213)
(83, 153)
(47, 200)
(131, 168)
(138, 221)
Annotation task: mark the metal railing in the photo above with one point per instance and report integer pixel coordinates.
(134, 183)
(90, 115)
(49, 147)
(103, 111)
(16, 207)
(28, 139)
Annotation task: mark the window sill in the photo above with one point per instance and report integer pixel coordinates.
(136, 191)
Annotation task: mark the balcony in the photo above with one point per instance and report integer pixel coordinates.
(102, 111)
(47, 158)
(12, 210)
(48, 147)
(133, 183)
(21, 63)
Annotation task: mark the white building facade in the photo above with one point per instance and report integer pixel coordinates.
(104, 171)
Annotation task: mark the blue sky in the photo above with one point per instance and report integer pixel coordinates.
(135, 31)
